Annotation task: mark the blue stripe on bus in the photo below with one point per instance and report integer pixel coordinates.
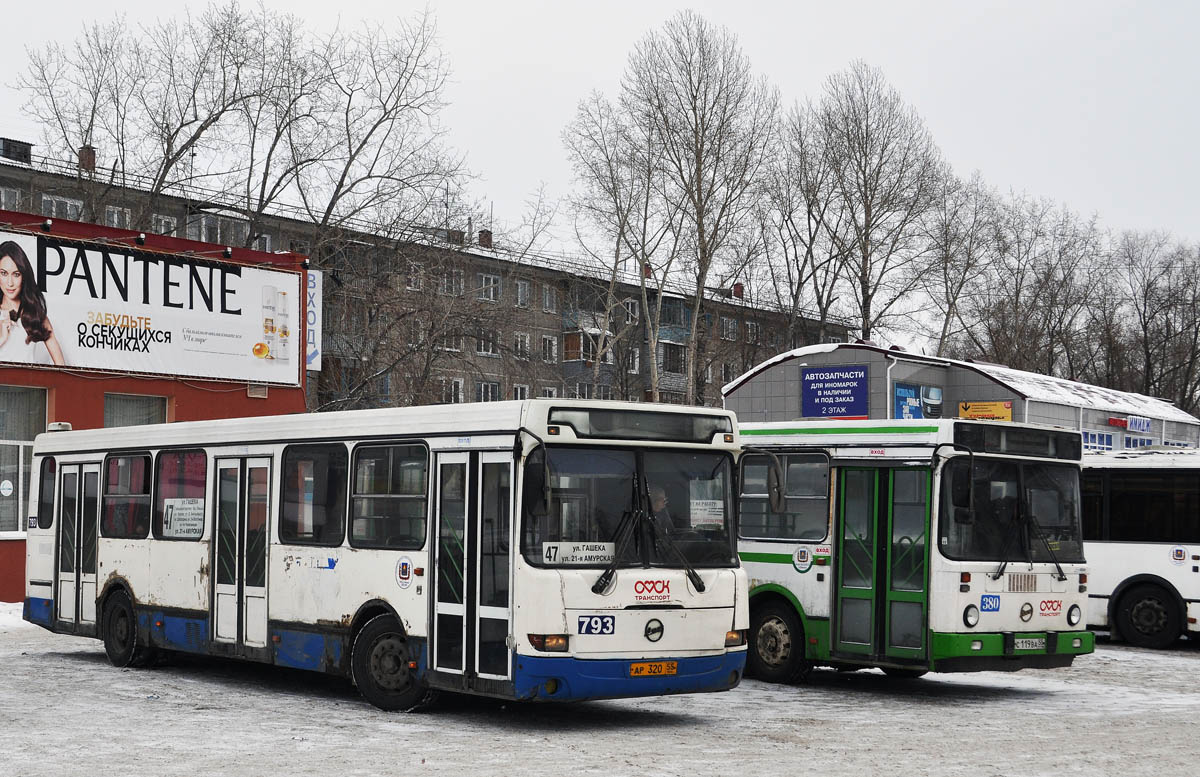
(39, 611)
(306, 650)
(176, 632)
(609, 678)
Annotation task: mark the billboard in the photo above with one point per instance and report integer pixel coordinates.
(838, 391)
(914, 401)
(115, 308)
(986, 411)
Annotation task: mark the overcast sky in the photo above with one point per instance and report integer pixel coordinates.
(1091, 104)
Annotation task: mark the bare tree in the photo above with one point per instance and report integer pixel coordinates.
(804, 226)
(885, 167)
(960, 233)
(714, 120)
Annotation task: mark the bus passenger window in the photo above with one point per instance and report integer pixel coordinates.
(45, 513)
(314, 495)
(806, 491)
(126, 508)
(179, 495)
(389, 497)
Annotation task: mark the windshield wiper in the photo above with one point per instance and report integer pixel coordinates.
(1016, 530)
(692, 574)
(1041, 533)
(625, 531)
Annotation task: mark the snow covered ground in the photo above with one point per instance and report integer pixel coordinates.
(66, 711)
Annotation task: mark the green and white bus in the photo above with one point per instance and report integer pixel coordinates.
(912, 546)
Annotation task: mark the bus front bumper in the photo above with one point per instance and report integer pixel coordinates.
(543, 678)
(1008, 651)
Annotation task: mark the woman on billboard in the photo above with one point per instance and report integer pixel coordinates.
(23, 320)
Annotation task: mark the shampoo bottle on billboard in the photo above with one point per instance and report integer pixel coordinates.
(269, 293)
(281, 325)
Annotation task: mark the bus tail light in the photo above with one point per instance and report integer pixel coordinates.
(735, 638)
(1083, 578)
(549, 643)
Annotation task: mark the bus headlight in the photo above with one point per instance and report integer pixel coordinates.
(549, 643)
(735, 638)
(971, 616)
(1074, 615)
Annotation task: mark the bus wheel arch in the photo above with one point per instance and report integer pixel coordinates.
(1147, 612)
(383, 666)
(776, 640)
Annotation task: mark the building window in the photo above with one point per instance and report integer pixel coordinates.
(451, 342)
(451, 283)
(670, 312)
(1176, 444)
(729, 328)
(549, 391)
(549, 298)
(671, 397)
(452, 391)
(1097, 441)
(163, 225)
(132, 410)
(581, 346)
(262, 243)
(22, 417)
(489, 287)
(834, 339)
(210, 228)
(752, 332)
(635, 359)
(520, 391)
(486, 342)
(415, 277)
(521, 346)
(1138, 442)
(61, 207)
(487, 391)
(10, 198)
(604, 391)
(727, 373)
(632, 309)
(550, 349)
(674, 358)
(522, 294)
(582, 391)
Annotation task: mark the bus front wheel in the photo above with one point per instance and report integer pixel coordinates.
(120, 632)
(381, 665)
(1148, 617)
(776, 644)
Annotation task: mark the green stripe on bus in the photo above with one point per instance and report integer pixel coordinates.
(767, 558)
(845, 430)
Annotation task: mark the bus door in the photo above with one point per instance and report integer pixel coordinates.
(240, 552)
(78, 509)
(882, 590)
(472, 607)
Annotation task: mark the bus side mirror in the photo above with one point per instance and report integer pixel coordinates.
(960, 488)
(775, 485)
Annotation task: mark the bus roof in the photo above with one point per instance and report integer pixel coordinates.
(474, 418)
(1148, 458)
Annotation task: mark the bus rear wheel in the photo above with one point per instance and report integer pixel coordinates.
(776, 644)
(120, 632)
(380, 666)
(1148, 617)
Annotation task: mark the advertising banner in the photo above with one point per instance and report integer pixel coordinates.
(110, 307)
(839, 391)
(915, 401)
(986, 411)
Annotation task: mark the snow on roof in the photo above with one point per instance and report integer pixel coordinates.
(1030, 385)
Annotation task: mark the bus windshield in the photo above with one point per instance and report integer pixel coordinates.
(1022, 511)
(684, 508)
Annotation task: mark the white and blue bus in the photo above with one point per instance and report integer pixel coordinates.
(1141, 531)
(513, 549)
